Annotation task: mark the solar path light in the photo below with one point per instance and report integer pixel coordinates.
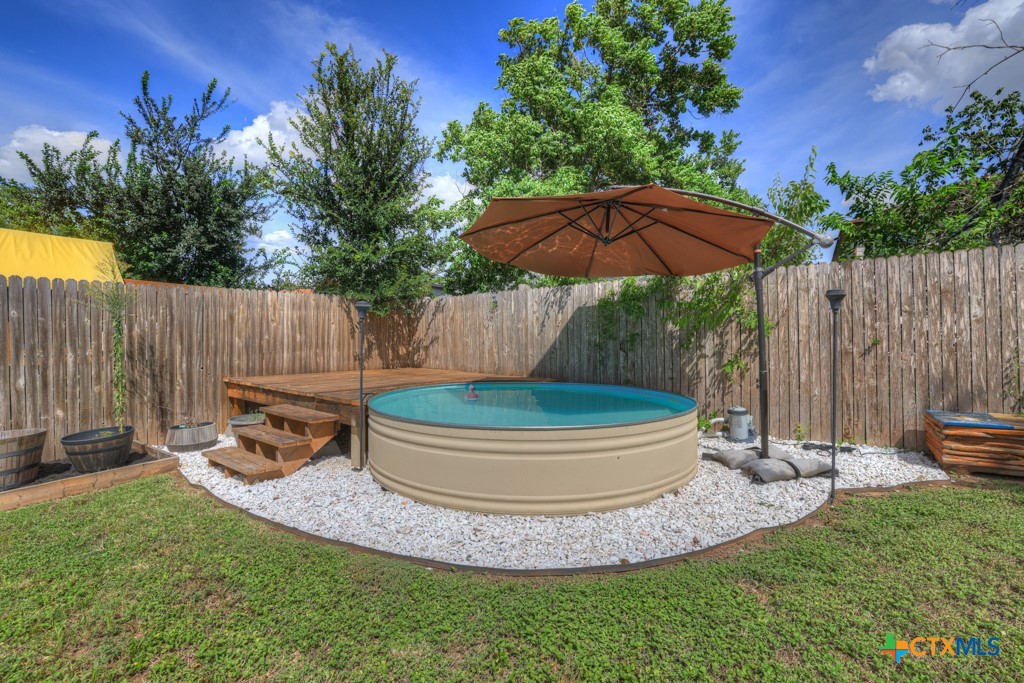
(835, 301)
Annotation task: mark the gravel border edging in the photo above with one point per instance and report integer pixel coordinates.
(841, 494)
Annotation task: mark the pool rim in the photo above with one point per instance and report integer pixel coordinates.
(541, 428)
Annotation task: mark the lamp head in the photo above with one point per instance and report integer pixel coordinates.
(362, 307)
(835, 298)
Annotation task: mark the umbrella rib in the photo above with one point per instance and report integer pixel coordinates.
(585, 211)
(590, 263)
(746, 259)
(627, 230)
(594, 202)
(545, 237)
(577, 226)
(668, 271)
(729, 214)
(636, 231)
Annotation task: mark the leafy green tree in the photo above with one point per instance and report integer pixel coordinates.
(71, 195)
(355, 182)
(176, 210)
(595, 99)
(963, 191)
(185, 210)
(19, 209)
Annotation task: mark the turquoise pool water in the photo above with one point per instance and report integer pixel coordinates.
(521, 405)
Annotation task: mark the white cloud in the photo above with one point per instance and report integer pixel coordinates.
(447, 188)
(279, 237)
(244, 142)
(918, 75)
(30, 139)
(277, 234)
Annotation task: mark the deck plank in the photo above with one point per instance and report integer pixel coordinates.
(272, 437)
(343, 387)
(290, 412)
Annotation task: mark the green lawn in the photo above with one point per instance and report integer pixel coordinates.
(154, 581)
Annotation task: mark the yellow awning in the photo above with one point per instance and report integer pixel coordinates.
(33, 254)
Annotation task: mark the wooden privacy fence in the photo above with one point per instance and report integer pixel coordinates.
(917, 332)
(180, 343)
(936, 330)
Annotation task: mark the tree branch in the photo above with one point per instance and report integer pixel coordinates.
(946, 49)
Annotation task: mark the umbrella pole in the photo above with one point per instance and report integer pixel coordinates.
(762, 351)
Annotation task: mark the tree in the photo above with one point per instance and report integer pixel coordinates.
(185, 210)
(355, 182)
(964, 191)
(595, 99)
(19, 209)
(177, 210)
(71, 193)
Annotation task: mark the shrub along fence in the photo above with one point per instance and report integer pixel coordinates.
(935, 330)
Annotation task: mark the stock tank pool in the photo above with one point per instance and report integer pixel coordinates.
(532, 447)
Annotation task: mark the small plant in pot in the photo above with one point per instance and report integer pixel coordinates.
(107, 447)
(191, 436)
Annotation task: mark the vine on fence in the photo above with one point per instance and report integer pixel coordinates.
(704, 303)
(691, 304)
(1013, 391)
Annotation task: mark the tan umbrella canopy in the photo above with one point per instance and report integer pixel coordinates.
(641, 230)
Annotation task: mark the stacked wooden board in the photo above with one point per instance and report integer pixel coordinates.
(977, 442)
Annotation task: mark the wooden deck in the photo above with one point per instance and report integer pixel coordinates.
(338, 392)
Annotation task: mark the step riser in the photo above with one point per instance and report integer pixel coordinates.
(276, 453)
(319, 433)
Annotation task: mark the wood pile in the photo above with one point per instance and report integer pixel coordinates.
(977, 442)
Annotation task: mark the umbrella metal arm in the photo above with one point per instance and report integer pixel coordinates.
(820, 240)
(775, 266)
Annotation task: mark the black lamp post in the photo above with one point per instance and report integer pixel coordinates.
(835, 301)
(361, 307)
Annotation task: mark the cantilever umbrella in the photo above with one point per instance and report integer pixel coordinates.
(641, 230)
(637, 230)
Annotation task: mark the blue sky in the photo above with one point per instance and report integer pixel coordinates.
(853, 77)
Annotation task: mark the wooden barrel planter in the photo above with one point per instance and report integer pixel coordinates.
(246, 420)
(99, 449)
(20, 453)
(195, 437)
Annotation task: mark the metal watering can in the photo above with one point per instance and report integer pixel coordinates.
(741, 424)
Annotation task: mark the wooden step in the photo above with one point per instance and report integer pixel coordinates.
(277, 438)
(300, 414)
(251, 466)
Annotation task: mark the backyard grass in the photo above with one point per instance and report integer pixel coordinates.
(153, 580)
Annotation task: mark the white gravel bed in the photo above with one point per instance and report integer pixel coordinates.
(328, 498)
